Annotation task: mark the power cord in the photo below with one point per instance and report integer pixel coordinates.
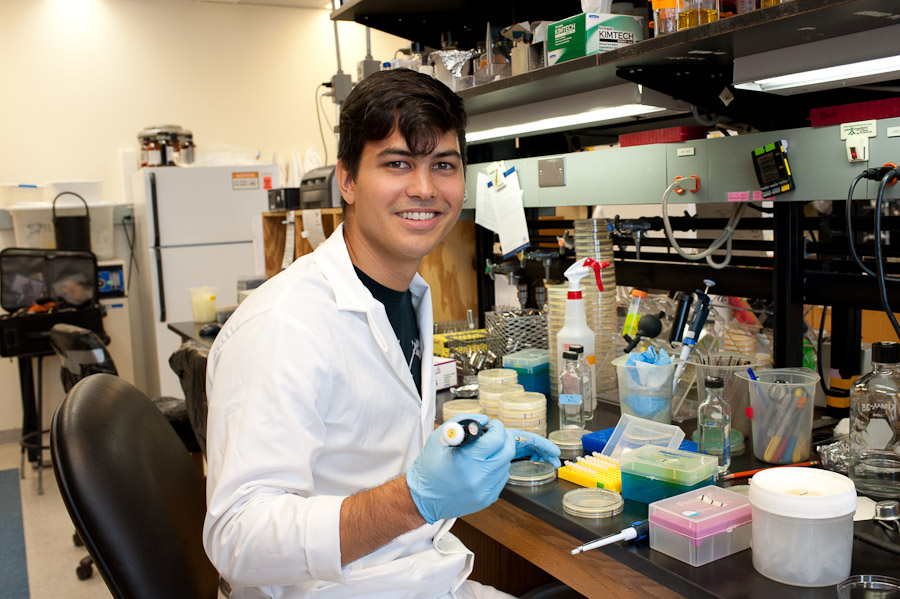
(879, 264)
(875, 174)
(318, 100)
(690, 184)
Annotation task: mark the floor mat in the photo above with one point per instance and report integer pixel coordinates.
(13, 570)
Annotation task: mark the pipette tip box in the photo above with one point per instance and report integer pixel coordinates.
(651, 473)
(701, 526)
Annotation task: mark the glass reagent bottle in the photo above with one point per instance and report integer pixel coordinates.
(714, 423)
(571, 394)
(875, 425)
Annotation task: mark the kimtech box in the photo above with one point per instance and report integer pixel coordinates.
(590, 33)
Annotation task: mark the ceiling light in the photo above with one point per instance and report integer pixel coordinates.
(603, 106)
(562, 122)
(866, 57)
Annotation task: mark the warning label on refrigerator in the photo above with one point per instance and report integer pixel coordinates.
(244, 181)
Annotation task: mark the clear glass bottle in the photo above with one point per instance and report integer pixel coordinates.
(571, 394)
(875, 425)
(586, 371)
(714, 423)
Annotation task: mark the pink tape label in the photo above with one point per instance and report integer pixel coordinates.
(745, 196)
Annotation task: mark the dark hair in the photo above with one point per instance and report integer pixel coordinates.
(419, 106)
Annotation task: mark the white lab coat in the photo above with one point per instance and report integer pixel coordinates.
(311, 400)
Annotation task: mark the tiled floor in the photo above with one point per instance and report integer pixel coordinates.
(51, 555)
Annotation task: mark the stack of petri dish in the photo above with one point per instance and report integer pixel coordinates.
(526, 411)
(494, 385)
(592, 240)
(461, 406)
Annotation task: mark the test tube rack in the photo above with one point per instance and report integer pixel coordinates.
(595, 470)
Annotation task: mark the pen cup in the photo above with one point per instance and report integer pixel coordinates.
(203, 303)
(781, 413)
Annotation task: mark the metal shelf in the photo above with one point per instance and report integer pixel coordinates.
(692, 65)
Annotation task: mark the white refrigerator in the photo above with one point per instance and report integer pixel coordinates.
(194, 226)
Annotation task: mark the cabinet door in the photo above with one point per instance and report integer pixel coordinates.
(634, 175)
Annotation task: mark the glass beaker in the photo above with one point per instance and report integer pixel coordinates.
(696, 12)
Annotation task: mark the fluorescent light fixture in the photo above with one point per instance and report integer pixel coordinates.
(609, 105)
(562, 122)
(866, 57)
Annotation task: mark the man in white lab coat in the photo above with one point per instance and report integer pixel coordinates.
(326, 478)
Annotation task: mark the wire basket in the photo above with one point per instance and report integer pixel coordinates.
(518, 329)
(474, 351)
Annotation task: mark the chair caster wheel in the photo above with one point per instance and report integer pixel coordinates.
(85, 569)
(76, 539)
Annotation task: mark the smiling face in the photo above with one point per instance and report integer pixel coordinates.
(400, 205)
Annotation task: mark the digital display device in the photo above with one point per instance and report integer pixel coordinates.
(772, 169)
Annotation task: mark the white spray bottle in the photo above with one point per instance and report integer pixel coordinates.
(576, 329)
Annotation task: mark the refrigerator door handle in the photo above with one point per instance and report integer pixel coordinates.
(154, 206)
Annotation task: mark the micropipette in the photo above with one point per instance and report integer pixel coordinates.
(634, 532)
(698, 321)
(463, 432)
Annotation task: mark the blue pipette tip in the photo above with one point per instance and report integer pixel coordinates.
(750, 372)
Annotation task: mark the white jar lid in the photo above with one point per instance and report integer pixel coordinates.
(806, 493)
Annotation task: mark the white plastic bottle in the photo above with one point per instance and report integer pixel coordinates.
(576, 329)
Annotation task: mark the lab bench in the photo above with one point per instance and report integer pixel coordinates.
(530, 522)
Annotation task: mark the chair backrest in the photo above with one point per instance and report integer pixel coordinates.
(189, 363)
(134, 494)
(81, 353)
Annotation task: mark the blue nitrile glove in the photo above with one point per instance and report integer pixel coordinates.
(534, 447)
(447, 482)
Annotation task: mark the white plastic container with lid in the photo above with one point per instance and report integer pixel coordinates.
(15, 193)
(802, 525)
(33, 224)
(700, 526)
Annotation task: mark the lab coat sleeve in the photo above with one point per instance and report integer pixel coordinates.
(266, 525)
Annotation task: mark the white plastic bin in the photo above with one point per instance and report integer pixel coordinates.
(91, 191)
(16, 193)
(802, 525)
(33, 225)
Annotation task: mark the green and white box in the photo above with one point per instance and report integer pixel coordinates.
(590, 33)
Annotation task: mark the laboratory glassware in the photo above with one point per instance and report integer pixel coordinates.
(571, 394)
(714, 423)
(875, 425)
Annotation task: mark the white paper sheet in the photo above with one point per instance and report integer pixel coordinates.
(313, 230)
(512, 228)
(484, 204)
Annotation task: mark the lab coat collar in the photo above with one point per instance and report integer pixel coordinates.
(351, 295)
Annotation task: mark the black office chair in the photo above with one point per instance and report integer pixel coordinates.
(82, 352)
(135, 496)
(189, 363)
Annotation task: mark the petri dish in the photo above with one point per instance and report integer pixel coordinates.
(498, 376)
(869, 586)
(461, 406)
(569, 442)
(531, 474)
(737, 443)
(592, 503)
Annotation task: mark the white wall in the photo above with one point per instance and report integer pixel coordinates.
(82, 77)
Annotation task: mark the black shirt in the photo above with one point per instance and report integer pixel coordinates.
(400, 311)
